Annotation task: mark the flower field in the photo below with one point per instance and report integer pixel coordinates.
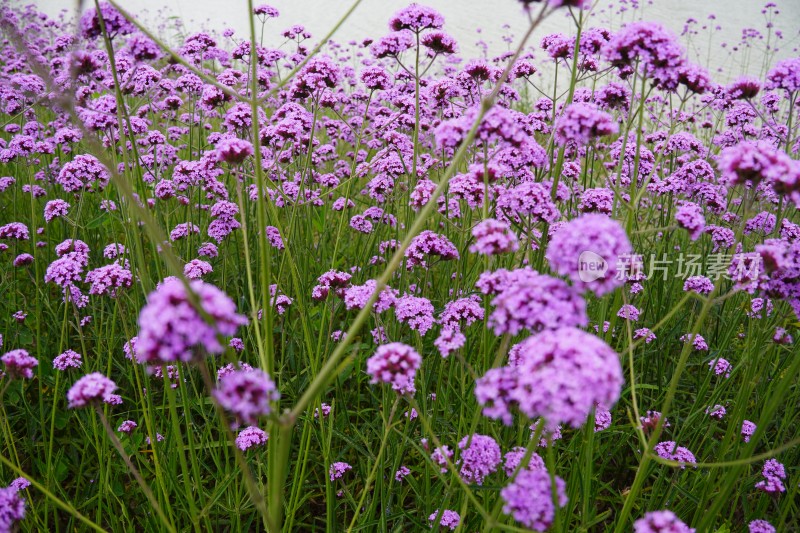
(391, 286)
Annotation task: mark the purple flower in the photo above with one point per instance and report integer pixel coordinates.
(448, 341)
(15, 230)
(397, 364)
(196, 269)
(493, 237)
(12, 508)
(416, 18)
(450, 519)
(581, 122)
(785, 75)
(356, 297)
(251, 436)
(85, 172)
(127, 427)
(233, 150)
(602, 269)
(513, 458)
(114, 22)
(760, 526)
(429, 244)
(68, 359)
(109, 279)
(55, 209)
(698, 284)
(690, 217)
(628, 312)
(535, 302)
(529, 498)
(23, 260)
(91, 389)
(337, 470)
(649, 46)
(19, 364)
(171, 329)
(560, 375)
(671, 451)
(480, 457)
(415, 312)
(718, 412)
(748, 429)
(528, 199)
(247, 394)
(401, 473)
(660, 522)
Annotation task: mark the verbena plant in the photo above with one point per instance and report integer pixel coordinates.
(373, 287)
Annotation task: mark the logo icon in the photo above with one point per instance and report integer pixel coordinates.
(591, 266)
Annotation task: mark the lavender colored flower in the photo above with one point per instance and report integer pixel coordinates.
(85, 172)
(671, 451)
(90, 390)
(171, 329)
(429, 244)
(530, 199)
(233, 150)
(127, 427)
(602, 237)
(251, 436)
(535, 302)
(401, 473)
(760, 526)
(338, 469)
(690, 217)
(416, 18)
(196, 269)
(717, 412)
(19, 364)
(247, 394)
(698, 284)
(68, 359)
(55, 209)
(529, 499)
(397, 364)
(480, 457)
(582, 122)
(493, 237)
(449, 519)
(561, 375)
(513, 458)
(23, 260)
(448, 341)
(109, 280)
(15, 230)
(415, 312)
(660, 522)
(628, 312)
(12, 508)
(357, 296)
(748, 429)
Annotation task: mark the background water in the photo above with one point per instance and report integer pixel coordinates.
(489, 20)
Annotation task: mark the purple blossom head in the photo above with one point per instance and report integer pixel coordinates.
(19, 364)
(246, 394)
(395, 363)
(671, 451)
(594, 240)
(337, 470)
(690, 217)
(449, 519)
(68, 359)
(480, 457)
(660, 522)
(582, 122)
(12, 508)
(55, 209)
(15, 230)
(760, 526)
(416, 18)
(414, 311)
(560, 375)
(91, 389)
(109, 280)
(85, 172)
(536, 302)
(493, 237)
(114, 22)
(429, 244)
(748, 429)
(233, 150)
(171, 329)
(250, 437)
(529, 498)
